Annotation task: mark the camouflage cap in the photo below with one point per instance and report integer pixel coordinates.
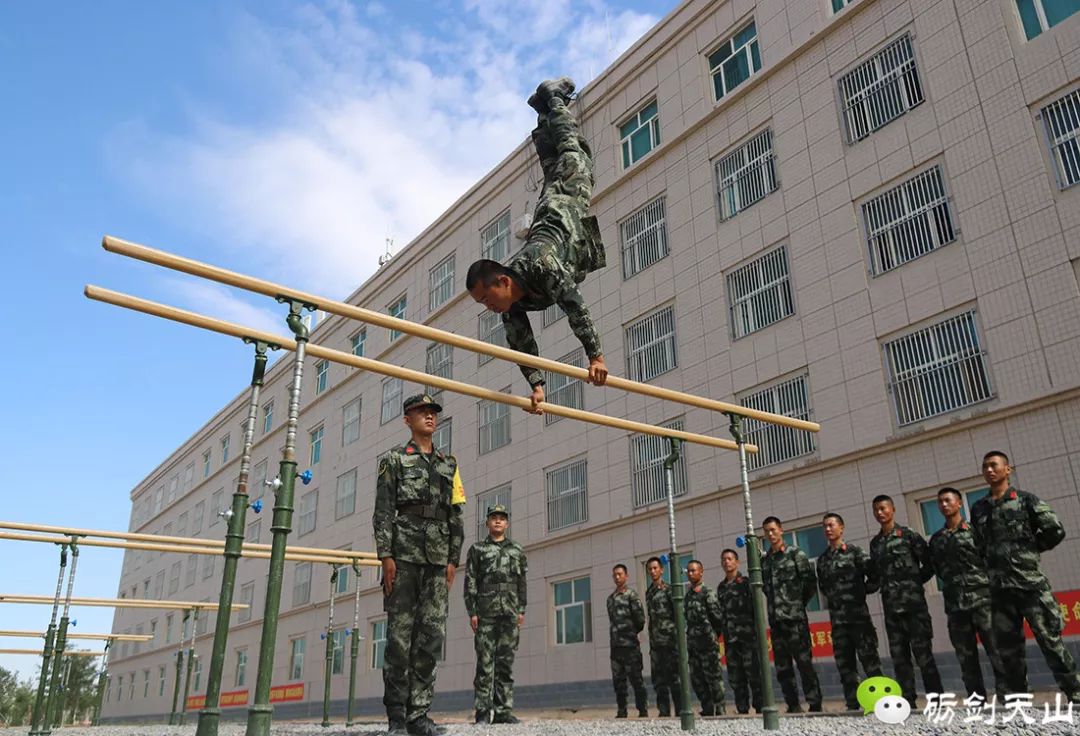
(420, 400)
(498, 509)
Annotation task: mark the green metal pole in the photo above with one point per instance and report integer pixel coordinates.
(210, 715)
(46, 654)
(328, 670)
(260, 712)
(769, 715)
(176, 682)
(102, 676)
(52, 702)
(190, 665)
(686, 710)
(65, 685)
(354, 645)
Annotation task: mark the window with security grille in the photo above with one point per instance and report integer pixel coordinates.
(247, 597)
(268, 416)
(881, 89)
(908, 221)
(1061, 120)
(777, 443)
(322, 376)
(759, 293)
(563, 390)
(358, 342)
(737, 59)
(491, 330)
(350, 422)
(650, 345)
(640, 134)
(345, 496)
(439, 362)
(495, 238)
(443, 436)
(567, 495)
(573, 611)
(644, 238)
(301, 591)
(296, 660)
(391, 400)
(397, 309)
(937, 369)
(337, 656)
(486, 500)
(440, 283)
(494, 424)
(746, 175)
(378, 643)
(316, 436)
(553, 314)
(1041, 15)
(305, 523)
(647, 476)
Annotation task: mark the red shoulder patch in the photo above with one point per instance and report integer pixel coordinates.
(899, 533)
(843, 547)
(1012, 495)
(409, 450)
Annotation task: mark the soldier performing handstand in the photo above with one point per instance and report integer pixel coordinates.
(563, 244)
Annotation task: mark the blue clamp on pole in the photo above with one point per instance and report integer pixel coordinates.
(305, 477)
(256, 505)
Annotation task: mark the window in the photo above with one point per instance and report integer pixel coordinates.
(258, 478)
(296, 661)
(309, 503)
(192, 564)
(908, 221)
(159, 500)
(567, 495)
(146, 588)
(206, 464)
(494, 424)
(161, 682)
(241, 668)
(640, 134)
(131, 687)
(350, 422)
(153, 635)
(737, 59)
(838, 5)
(553, 314)
(563, 390)
(301, 591)
(397, 309)
(573, 611)
(391, 400)
(643, 236)
(759, 293)
(441, 284)
(933, 520)
(1061, 120)
(268, 416)
(357, 342)
(647, 455)
(811, 541)
(486, 500)
(342, 584)
(650, 345)
(174, 578)
(208, 566)
(1042, 15)
(168, 627)
(495, 238)
(108, 689)
(777, 443)
(881, 89)
(254, 531)
(247, 597)
(937, 369)
(181, 525)
(316, 445)
(443, 435)
(216, 507)
(378, 644)
(225, 448)
(746, 175)
(337, 656)
(345, 497)
(682, 561)
(189, 477)
(491, 330)
(197, 517)
(146, 683)
(159, 585)
(322, 373)
(439, 362)
(198, 674)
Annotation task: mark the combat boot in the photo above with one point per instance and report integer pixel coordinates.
(424, 726)
(794, 708)
(483, 717)
(505, 718)
(621, 713)
(815, 708)
(397, 723)
(642, 712)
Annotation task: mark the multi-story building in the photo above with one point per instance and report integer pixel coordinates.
(863, 212)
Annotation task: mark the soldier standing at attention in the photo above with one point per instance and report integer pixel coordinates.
(789, 586)
(740, 646)
(495, 571)
(663, 656)
(704, 626)
(419, 502)
(626, 620)
(846, 576)
(1012, 528)
(902, 564)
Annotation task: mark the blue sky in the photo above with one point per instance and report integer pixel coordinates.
(282, 139)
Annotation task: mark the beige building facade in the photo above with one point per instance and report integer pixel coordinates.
(865, 213)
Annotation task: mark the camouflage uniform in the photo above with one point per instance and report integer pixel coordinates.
(663, 652)
(966, 589)
(902, 565)
(1011, 532)
(704, 622)
(626, 619)
(846, 576)
(740, 645)
(417, 525)
(564, 241)
(495, 585)
(789, 586)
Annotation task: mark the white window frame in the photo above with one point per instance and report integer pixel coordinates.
(240, 675)
(174, 578)
(226, 443)
(322, 375)
(495, 238)
(350, 421)
(443, 426)
(559, 612)
(651, 344)
(650, 124)
(567, 492)
(490, 329)
(337, 651)
(441, 283)
(563, 390)
(648, 484)
(307, 513)
(246, 596)
(748, 49)
(378, 644)
(398, 308)
(301, 589)
(268, 416)
(439, 361)
(777, 443)
(390, 408)
(760, 293)
(216, 507)
(345, 495)
(890, 71)
(747, 175)
(643, 238)
(1063, 141)
(358, 342)
(908, 220)
(316, 438)
(297, 649)
(1040, 14)
(491, 415)
(206, 456)
(842, 4)
(192, 571)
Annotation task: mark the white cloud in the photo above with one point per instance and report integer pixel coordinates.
(215, 300)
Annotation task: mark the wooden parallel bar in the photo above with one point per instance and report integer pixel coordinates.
(71, 635)
(118, 602)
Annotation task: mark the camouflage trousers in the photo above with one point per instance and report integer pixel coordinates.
(705, 673)
(495, 642)
(911, 633)
(1010, 608)
(627, 664)
(851, 641)
(743, 672)
(664, 662)
(415, 627)
(791, 650)
(966, 629)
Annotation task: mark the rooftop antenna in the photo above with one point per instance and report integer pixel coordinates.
(387, 255)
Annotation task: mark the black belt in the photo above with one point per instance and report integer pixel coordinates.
(425, 512)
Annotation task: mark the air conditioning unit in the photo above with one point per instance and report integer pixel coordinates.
(522, 225)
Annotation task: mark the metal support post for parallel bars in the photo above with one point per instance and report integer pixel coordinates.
(190, 665)
(686, 710)
(328, 670)
(102, 676)
(354, 646)
(46, 653)
(176, 680)
(52, 701)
